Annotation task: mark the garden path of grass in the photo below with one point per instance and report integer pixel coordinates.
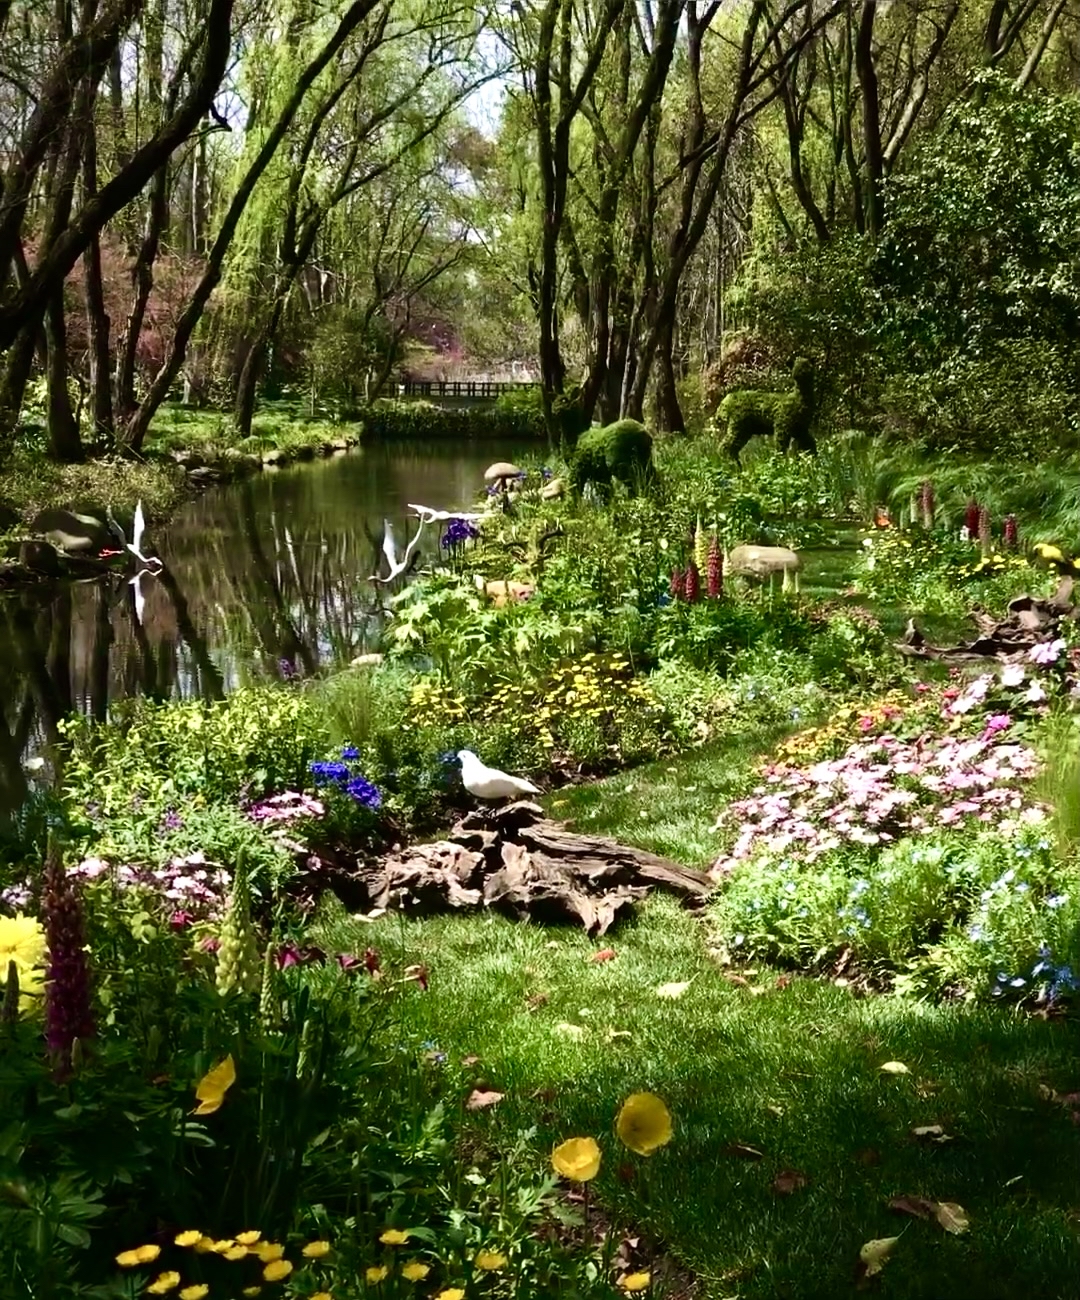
(792, 1070)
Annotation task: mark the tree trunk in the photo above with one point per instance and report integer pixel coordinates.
(19, 363)
(142, 275)
(871, 117)
(668, 411)
(247, 385)
(64, 442)
(98, 324)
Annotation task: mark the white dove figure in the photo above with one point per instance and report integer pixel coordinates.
(151, 562)
(389, 549)
(488, 782)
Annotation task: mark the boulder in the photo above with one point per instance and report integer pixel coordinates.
(278, 456)
(367, 661)
(761, 561)
(187, 458)
(339, 444)
(553, 490)
(72, 532)
(41, 557)
(503, 592)
(9, 518)
(500, 471)
(306, 451)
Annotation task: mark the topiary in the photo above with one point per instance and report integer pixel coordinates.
(748, 413)
(622, 451)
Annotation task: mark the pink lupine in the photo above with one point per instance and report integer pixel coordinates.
(1011, 533)
(693, 582)
(714, 574)
(971, 518)
(69, 1018)
(675, 586)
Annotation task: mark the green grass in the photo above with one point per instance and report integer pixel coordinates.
(794, 1072)
(275, 427)
(30, 482)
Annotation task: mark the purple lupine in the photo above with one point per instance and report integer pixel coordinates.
(676, 584)
(1011, 533)
(971, 518)
(69, 1018)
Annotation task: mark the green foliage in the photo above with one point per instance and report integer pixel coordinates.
(748, 413)
(420, 420)
(619, 452)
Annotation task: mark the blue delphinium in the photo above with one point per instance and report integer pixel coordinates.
(458, 532)
(331, 773)
(361, 789)
(339, 775)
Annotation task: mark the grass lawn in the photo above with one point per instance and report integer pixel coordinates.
(789, 1067)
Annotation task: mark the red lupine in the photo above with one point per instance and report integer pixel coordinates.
(693, 582)
(1011, 532)
(714, 573)
(971, 518)
(676, 585)
(69, 1018)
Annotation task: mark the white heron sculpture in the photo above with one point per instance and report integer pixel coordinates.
(151, 564)
(488, 782)
(389, 549)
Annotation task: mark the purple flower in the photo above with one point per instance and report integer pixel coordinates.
(364, 792)
(348, 962)
(349, 752)
(287, 669)
(180, 920)
(1046, 652)
(329, 773)
(458, 532)
(995, 723)
(172, 821)
(68, 1015)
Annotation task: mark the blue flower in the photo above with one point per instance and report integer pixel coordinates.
(545, 473)
(329, 773)
(349, 752)
(459, 531)
(364, 792)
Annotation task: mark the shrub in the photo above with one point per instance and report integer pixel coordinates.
(621, 451)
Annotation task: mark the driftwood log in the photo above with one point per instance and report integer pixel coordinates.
(1029, 621)
(515, 860)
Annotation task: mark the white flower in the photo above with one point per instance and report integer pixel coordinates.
(1034, 694)
(1013, 675)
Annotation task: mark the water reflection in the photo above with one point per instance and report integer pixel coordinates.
(263, 578)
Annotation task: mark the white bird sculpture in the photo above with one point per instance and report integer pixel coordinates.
(432, 516)
(151, 562)
(488, 782)
(389, 549)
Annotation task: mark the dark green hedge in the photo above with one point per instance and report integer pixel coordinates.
(420, 420)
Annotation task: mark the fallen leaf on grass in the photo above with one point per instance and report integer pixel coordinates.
(605, 954)
(917, 1206)
(482, 1098)
(536, 1000)
(613, 1034)
(673, 990)
(788, 1181)
(743, 1151)
(932, 1133)
(874, 1254)
(732, 978)
(469, 1060)
(952, 1217)
(570, 1031)
(894, 1067)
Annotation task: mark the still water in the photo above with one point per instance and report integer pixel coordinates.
(263, 578)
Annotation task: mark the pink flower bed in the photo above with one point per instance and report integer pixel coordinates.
(878, 791)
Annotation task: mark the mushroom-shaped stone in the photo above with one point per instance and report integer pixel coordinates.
(501, 472)
(553, 490)
(761, 561)
(502, 592)
(70, 532)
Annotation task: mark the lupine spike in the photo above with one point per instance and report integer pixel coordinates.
(1011, 533)
(69, 1018)
(927, 503)
(971, 518)
(693, 582)
(238, 966)
(701, 548)
(986, 541)
(676, 584)
(714, 572)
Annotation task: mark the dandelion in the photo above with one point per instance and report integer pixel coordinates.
(644, 1123)
(414, 1271)
(277, 1269)
(577, 1159)
(376, 1274)
(317, 1249)
(634, 1281)
(489, 1260)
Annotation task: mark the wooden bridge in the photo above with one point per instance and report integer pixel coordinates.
(461, 390)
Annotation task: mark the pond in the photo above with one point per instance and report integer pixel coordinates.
(263, 578)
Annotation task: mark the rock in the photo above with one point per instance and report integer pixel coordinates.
(503, 592)
(553, 490)
(235, 461)
(188, 459)
(367, 661)
(9, 518)
(306, 451)
(278, 457)
(41, 557)
(204, 475)
(68, 531)
(501, 470)
(761, 561)
(339, 444)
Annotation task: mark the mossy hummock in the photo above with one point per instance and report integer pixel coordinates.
(621, 451)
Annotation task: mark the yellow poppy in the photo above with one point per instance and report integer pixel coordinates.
(252, 1290)
(212, 1087)
(248, 1238)
(634, 1281)
(644, 1123)
(394, 1237)
(489, 1260)
(414, 1271)
(451, 1293)
(194, 1292)
(321, 1295)
(22, 941)
(376, 1274)
(577, 1159)
(277, 1269)
(317, 1249)
(268, 1251)
(188, 1238)
(235, 1252)
(163, 1283)
(220, 1247)
(140, 1255)
(203, 1245)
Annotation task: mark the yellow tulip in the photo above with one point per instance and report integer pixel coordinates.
(212, 1087)
(644, 1123)
(577, 1159)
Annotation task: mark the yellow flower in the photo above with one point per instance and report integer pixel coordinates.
(22, 940)
(252, 1290)
(140, 1255)
(163, 1283)
(220, 1247)
(248, 1238)
(644, 1123)
(634, 1281)
(376, 1274)
(577, 1159)
(414, 1271)
(321, 1295)
(268, 1251)
(203, 1245)
(212, 1087)
(451, 1293)
(277, 1269)
(188, 1238)
(235, 1253)
(391, 1237)
(194, 1292)
(490, 1260)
